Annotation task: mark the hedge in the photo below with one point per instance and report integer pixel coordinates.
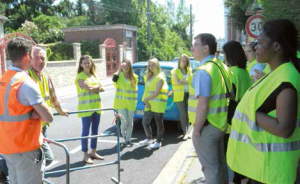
(64, 51)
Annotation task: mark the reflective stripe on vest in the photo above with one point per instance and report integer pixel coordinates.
(6, 117)
(86, 99)
(265, 157)
(265, 147)
(89, 101)
(218, 101)
(19, 132)
(126, 93)
(178, 89)
(158, 104)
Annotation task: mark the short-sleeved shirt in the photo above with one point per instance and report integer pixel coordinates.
(202, 80)
(257, 66)
(29, 93)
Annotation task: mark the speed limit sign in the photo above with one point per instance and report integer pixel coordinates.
(254, 25)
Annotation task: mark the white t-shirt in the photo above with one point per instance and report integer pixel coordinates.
(29, 93)
(186, 87)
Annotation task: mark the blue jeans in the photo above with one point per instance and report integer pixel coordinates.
(94, 119)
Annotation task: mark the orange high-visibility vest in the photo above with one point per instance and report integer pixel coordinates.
(18, 131)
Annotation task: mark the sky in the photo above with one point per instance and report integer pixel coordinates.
(209, 16)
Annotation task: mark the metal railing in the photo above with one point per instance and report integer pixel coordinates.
(68, 168)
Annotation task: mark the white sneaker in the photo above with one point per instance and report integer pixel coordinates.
(145, 142)
(155, 145)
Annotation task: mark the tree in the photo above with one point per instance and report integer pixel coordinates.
(49, 29)
(237, 9)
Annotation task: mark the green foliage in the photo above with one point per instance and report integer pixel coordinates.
(60, 52)
(49, 29)
(90, 48)
(237, 9)
(288, 9)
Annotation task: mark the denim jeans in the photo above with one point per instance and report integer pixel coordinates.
(87, 122)
(49, 157)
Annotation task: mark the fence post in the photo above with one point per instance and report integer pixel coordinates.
(102, 50)
(76, 51)
(121, 53)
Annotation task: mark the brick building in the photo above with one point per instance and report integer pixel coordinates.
(124, 36)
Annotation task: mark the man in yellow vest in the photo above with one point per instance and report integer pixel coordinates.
(37, 73)
(22, 109)
(210, 124)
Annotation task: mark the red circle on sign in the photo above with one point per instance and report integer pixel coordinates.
(251, 20)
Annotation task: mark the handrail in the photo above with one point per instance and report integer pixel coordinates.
(67, 157)
(68, 169)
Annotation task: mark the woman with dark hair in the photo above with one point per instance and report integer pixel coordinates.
(180, 86)
(264, 143)
(88, 89)
(235, 57)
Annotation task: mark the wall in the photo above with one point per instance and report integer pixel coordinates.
(63, 73)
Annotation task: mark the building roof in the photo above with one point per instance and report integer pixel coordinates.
(3, 18)
(102, 27)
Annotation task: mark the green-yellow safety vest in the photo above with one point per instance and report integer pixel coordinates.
(250, 65)
(267, 69)
(219, 101)
(178, 89)
(87, 100)
(241, 81)
(158, 104)
(43, 86)
(254, 152)
(126, 95)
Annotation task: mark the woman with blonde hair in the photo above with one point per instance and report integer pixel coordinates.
(180, 86)
(155, 99)
(88, 89)
(125, 100)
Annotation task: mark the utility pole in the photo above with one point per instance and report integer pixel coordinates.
(148, 25)
(191, 25)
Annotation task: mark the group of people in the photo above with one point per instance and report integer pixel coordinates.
(258, 105)
(251, 110)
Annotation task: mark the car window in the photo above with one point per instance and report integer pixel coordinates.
(140, 72)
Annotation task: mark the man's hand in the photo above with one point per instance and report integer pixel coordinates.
(147, 105)
(64, 112)
(35, 115)
(196, 133)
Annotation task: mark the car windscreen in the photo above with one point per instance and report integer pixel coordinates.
(141, 71)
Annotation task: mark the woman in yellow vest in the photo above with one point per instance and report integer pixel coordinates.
(155, 99)
(125, 100)
(264, 143)
(88, 89)
(235, 57)
(180, 86)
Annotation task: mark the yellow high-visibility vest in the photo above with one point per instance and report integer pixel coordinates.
(179, 88)
(126, 95)
(254, 152)
(158, 104)
(87, 100)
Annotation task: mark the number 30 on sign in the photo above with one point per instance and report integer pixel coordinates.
(254, 25)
